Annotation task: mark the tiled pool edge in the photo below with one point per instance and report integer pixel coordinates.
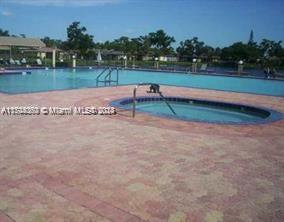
(191, 87)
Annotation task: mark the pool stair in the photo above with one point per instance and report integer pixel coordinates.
(14, 72)
(106, 75)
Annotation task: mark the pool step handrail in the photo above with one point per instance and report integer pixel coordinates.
(98, 77)
(165, 100)
(107, 77)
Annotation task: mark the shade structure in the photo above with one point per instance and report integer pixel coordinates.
(7, 43)
(24, 42)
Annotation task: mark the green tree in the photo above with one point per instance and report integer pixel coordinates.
(137, 47)
(78, 39)
(4, 32)
(240, 51)
(272, 53)
(122, 44)
(145, 49)
(191, 48)
(271, 48)
(161, 43)
(217, 52)
(53, 43)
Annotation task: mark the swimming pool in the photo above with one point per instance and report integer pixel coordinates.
(61, 79)
(200, 110)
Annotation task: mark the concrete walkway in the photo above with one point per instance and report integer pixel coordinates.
(116, 168)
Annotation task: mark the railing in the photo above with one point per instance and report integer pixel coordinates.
(107, 79)
(159, 92)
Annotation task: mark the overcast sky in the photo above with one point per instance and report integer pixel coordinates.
(217, 22)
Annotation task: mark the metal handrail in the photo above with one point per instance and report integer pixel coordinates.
(107, 76)
(165, 100)
(98, 77)
(135, 101)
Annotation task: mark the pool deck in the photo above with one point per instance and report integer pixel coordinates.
(116, 168)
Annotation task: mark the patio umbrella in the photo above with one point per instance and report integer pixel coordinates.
(99, 57)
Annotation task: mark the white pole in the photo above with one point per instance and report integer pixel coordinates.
(125, 61)
(74, 61)
(157, 62)
(194, 66)
(10, 52)
(240, 67)
(53, 58)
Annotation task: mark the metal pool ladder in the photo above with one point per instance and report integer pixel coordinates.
(106, 76)
(160, 93)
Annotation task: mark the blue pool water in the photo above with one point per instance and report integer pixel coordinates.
(60, 79)
(200, 110)
(199, 113)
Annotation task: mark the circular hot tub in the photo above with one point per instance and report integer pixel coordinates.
(200, 110)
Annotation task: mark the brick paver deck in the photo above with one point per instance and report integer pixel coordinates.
(116, 168)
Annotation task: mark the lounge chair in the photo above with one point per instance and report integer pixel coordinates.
(12, 61)
(203, 68)
(17, 62)
(24, 61)
(38, 62)
(2, 62)
(6, 62)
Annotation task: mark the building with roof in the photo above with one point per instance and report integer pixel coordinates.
(109, 54)
(19, 45)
